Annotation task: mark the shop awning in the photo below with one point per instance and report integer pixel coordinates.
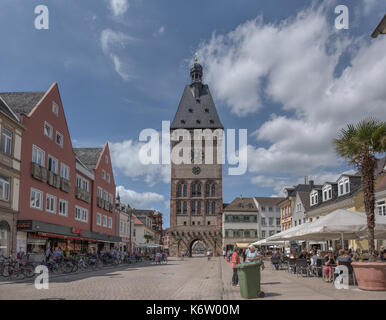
(51, 235)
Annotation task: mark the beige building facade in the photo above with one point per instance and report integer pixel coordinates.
(10, 162)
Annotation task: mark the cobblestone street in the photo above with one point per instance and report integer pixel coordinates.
(193, 278)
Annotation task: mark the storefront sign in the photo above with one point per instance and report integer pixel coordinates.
(24, 225)
(77, 231)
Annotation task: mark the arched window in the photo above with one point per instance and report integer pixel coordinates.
(185, 190)
(199, 190)
(193, 189)
(178, 206)
(193, 207)
(179, 187)
(207, 207)
(185, 207)
(213, 207)
(207, 189)
(213, 190)
(199, 207)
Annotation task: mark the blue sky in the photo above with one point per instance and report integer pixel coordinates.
(277, 68)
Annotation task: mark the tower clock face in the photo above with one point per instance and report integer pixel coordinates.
(196, 170)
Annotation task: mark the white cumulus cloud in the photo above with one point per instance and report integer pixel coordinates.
(139, 200)
(125, 157)
(320, 78)
(112, 42)
(118, 7)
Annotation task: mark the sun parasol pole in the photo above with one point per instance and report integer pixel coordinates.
(342, 238)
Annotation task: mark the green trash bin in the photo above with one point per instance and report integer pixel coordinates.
(249, 279)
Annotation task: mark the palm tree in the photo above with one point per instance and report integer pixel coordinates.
(360, 143)
(178, 240)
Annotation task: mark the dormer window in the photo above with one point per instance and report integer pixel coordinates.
(182, 121)
(198, 121)
(327, 192)
(344, 186)
(207, 110)
(190, 110)
(314, 197)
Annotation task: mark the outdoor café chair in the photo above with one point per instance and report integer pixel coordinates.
(291, 265)
(302, 267)
(318, 269)
(275, 261)
(284, 263)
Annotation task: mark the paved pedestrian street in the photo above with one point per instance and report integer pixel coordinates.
(192, 279)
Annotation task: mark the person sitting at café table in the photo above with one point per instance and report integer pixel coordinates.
(314, 262)
(329, 263)
(343, 256)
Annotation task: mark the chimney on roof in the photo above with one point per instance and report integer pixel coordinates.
(305, 179)
(311, 183)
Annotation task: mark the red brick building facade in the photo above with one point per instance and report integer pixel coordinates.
(67, 196)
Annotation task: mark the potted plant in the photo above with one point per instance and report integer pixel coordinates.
(360, 143)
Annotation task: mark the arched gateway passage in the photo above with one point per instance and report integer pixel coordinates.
(197, 248)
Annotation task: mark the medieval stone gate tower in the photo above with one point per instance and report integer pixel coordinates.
(196, 187)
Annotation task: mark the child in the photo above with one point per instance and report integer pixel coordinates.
(235, 261)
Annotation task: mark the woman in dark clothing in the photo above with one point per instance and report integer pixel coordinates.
(329, 262)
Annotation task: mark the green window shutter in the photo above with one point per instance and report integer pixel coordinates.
(246, 233)
(226, 233)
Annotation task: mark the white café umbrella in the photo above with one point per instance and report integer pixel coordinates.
(285, 235)
(338, 224)
(264, 242)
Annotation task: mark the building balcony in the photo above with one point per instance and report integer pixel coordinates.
(39, 172)
(65, 185)
(53, 180)
(82, 195)
(100, 202)
(103, 204)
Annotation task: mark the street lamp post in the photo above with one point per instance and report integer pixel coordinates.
(381, 28)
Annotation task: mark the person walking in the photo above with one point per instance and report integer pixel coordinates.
(208, 253)
(224, 253)
(235, 261)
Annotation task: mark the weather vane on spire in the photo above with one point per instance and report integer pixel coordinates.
(196, 57)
